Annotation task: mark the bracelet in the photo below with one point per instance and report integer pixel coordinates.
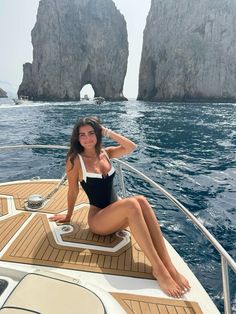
(107, 132)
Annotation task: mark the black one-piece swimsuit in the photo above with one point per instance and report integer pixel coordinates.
(99, 188)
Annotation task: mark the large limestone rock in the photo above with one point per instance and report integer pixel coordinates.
(3, 94)
(189, 51)
(76, 42)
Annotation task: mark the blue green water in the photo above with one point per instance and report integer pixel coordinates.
(190, 149)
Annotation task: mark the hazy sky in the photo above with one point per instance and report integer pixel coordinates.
(17, 18)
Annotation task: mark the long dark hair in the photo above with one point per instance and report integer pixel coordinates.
(75, 146)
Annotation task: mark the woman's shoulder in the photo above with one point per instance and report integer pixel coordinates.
(73, 164)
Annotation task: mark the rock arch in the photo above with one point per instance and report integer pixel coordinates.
(76, 42)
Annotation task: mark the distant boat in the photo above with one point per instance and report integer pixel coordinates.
(86, 97)
(21, 100)
(98, 100)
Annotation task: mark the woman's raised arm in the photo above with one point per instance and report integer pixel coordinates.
(125, 147)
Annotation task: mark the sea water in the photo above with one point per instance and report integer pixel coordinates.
(189, 149)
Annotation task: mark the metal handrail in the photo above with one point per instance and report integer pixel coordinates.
(34, 146)
(226, 259)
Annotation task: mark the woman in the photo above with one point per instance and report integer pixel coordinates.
(90, 165)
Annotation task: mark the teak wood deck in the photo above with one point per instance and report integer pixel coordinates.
(36, 244)
(57, 204)
(138, 304)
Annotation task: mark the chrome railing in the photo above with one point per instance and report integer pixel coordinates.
(226, 259)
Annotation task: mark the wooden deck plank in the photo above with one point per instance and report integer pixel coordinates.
(121, 262)
(128, 260)
(82, 231)
(87, 259)
(162, 309)
(67, 256)
(101, 260)
(145, 308)
(171, 309)
(94, 260)
(134, 265)
(59, 200)
(135, 305)
(54, 254)
(47, 253)
(41, 249)
(107, 262)
(180, 310)
(138, 304)
(60, 256)
(23, 244)
(3, 206)
(154, 308)
(29, 246)
(9, 226)
(128, 303)
(74, 257)
(17, 203)
(80, 258)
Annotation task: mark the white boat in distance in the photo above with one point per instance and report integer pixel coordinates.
(53, 268)
(21, 100)
(98, 100)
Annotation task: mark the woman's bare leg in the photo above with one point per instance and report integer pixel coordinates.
(128, 211)
(158, 241)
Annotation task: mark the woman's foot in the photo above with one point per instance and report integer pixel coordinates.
(169, 286)
(181, 281)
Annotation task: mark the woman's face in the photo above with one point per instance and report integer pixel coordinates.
(87, 136)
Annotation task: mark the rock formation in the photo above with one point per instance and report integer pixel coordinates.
(189, 51)
(76, 43)
(3, 94)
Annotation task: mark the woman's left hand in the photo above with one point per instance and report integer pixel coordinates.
(59, 218)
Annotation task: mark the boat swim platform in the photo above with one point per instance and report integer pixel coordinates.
(28, 238)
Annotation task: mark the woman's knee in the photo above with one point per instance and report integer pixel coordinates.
(133, 207)
(144, 204)
(141, 199)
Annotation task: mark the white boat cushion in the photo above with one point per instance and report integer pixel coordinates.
(47, 295)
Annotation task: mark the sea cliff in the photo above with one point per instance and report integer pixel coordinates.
(189, 51)
(76, 43)
(3, 94)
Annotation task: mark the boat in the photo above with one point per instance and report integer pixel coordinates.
(21, 100)
(49, 268)
(98, 100)
(86, 97)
